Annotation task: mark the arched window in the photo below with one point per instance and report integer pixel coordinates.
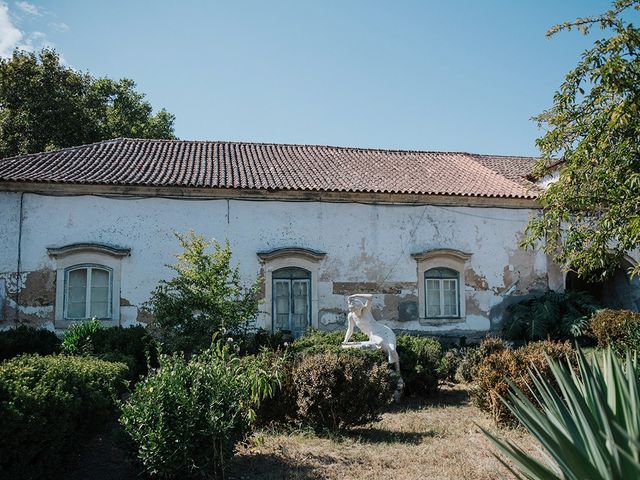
(88, 283)
(291, 293)
(291, 299)
(442, 299)
(87, 292)
(440, 291)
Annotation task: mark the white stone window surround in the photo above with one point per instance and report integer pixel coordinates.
(441, 258)
(82, 255)
(297, 257)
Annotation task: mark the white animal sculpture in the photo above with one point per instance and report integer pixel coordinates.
(380, 336)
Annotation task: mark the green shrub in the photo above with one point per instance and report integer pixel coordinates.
(252, 343)
(420, 362)
(590, 430)
(78, 338)
(504, 366)
(187, 418)
(472, 357)
(619, 329)
(317, 341)
(559, 316)
(204, 298)
(23, 339)
(450, 363)
(334, 391)
(132, 346)
(47, 404)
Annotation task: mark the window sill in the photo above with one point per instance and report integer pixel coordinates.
(435, 321)
(66, 323)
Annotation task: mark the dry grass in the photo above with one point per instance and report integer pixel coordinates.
(421, 440)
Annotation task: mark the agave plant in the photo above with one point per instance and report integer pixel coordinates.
(589, 426)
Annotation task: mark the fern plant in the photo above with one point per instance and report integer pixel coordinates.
(589, 425)
(559, 316)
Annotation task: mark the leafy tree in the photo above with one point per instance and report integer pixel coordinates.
(204, 298)
(46, 105)
(591, 214)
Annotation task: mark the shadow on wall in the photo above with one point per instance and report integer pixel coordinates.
(619, 291)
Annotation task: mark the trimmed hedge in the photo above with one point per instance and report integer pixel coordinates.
(132, 346)
(334, 391)
(23, 339)
(421, 358)
(47, 404)
(495, 372)
(420, 364)
(619, 329)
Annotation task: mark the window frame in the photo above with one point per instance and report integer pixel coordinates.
(79, 255)
(448, 258)
(89, 267)
(440, 279)
(290, 281)
(289, 257)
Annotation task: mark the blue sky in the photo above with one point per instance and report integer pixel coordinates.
(426, 75)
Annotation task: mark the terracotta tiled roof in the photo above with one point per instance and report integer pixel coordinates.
(199, 164)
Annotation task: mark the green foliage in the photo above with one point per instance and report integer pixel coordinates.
(22, 339)
(420, 363)
(421, 358)
(204, 298)
(588, 422)
(590, 214)
(505, 367)
(619, 329)
(45, 105)
(187, 418)
(78, 338)
(554, 315)
(132, 346)
(47, 404)
(318, 341)
(472, 357)
(449, 364)
(335, 391)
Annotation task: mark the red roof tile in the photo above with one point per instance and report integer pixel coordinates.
(184, 163)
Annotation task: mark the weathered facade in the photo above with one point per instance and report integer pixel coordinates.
(441, 263)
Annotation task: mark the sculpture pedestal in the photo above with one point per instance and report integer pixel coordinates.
(397, 395)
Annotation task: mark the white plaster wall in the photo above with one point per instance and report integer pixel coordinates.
(9, 221)
(363, 243)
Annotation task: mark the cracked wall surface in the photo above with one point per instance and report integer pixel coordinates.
(368, 250)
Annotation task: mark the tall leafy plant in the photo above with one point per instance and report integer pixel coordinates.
(555, 315)
(206, 296)
(589, 426)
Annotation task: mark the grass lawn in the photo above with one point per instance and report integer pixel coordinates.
(436, 439)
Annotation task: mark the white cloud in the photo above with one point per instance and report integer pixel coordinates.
(60, 26)
(10, 36)
(28, 8)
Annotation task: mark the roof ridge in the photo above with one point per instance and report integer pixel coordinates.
(68, 149)
(315, 145)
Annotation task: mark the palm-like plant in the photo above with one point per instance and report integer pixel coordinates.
(556, 315)
(589, 426)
